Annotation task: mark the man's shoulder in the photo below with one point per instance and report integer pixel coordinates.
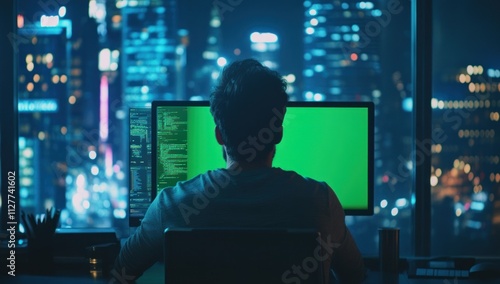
(299, 178)
(194, 183)
(182, 190)
(222, 178)
(290, 181)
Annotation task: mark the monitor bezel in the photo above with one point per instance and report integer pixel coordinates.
(371, 117)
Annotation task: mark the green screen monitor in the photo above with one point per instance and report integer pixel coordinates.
(326, 141)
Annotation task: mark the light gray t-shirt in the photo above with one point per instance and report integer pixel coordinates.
(259, 198)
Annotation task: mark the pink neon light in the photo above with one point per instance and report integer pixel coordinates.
(103, 109)
(108, 160)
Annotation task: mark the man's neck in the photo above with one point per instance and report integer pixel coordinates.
(244, 165)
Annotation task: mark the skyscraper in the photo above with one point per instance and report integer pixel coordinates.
(43, 108)
(341, 61)
(149, 51)
(265, 48)
(205, 78)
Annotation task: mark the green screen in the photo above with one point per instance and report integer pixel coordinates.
(324, 143)
(331, 145)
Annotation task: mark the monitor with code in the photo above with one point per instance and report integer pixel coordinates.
(326, 141)
(140, 189)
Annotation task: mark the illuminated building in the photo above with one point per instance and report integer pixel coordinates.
(180, 63)
(265, 48)
(29, 181)
(205, 78)
(213, 46)
(339, 54)
(43, 110)
(466, 156)
(150, 39)
(59, 106)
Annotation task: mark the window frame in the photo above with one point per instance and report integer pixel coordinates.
(421, 54)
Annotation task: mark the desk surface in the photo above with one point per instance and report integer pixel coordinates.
(25, 279)
(156, 275)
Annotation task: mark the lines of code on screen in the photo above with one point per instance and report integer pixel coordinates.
(140, 161)
(172, 146)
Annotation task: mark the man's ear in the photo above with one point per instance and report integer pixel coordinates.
(278, 136)
(218, 136)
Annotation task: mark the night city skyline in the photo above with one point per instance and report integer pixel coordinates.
(129, 53)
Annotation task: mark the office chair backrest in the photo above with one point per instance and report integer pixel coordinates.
(242, 256)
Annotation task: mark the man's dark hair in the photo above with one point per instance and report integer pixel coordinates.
(248, 103)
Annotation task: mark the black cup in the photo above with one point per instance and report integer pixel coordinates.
(389, 249)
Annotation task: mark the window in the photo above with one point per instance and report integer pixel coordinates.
(82, 66)
(465, 174)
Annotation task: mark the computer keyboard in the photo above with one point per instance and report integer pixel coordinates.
(440, 268)
(441, 273)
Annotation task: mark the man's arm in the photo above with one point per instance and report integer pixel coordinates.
(347, 261)
(142, 249)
